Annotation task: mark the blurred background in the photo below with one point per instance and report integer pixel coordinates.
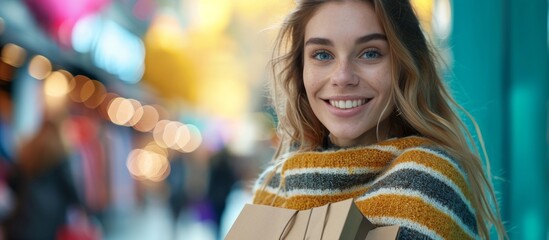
(148, 119)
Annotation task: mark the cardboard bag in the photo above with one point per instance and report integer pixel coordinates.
(340, 220)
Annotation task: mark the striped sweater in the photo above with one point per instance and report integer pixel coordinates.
(407, 182)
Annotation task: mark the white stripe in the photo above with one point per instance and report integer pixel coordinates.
(318, 192)
(405, 223)
(343, 171)
(313, 192)
(430, 171)
(272, 190)
(306, 192)
(417, 194)
(393, 150)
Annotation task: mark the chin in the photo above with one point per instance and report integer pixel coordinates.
(354, 137)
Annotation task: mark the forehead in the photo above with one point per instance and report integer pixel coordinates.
(343, 19)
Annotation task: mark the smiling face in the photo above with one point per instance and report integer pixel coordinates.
(347, 71)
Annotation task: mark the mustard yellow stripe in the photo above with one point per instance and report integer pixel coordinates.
(407, 142)
(266, 198)
(349, 159)
(302, 202)
(437, 164)
(414, 209)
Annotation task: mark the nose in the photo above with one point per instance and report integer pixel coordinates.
(343, 75)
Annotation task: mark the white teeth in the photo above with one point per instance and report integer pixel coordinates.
(348, 103)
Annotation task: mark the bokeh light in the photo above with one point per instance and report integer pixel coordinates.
(149, 119)
(103, 108)
(56, 88)
(87, 90)
(97, 95)
(77, 84)
(56, 85)
(150, 163)
(121, 111)
(13, 55)
(170, 134)
(40, 67)
(170, 63)
(158, 133)
(194, 141)
(209, 16)
(183, 137)
(442, 19)
(138, 113)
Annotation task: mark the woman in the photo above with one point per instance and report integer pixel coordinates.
(364, 114)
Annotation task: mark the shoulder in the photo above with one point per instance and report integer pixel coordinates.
(425, 167)
(431, 161)
(426, 191)
(422, 158)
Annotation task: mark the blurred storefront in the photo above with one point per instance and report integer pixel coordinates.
(130, 119)
(148, 119)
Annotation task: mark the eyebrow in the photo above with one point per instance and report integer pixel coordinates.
(370, 37)
(363, 39)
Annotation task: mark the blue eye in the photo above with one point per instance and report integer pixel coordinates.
(370, 55)
(322, 56)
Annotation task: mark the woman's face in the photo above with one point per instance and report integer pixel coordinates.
(347, 73)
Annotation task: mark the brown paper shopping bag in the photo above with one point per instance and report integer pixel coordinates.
(260, 222)
(381, 233)
(340, 220)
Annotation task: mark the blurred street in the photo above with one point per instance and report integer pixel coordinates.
(154, 221)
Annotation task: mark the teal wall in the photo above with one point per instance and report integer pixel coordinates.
(500, 74)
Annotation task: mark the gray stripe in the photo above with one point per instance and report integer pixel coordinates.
(274, 182)
(405, 233)
(429, 186)
(327, 181)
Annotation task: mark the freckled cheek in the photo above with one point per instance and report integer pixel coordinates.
(378, 79)
(313, 78)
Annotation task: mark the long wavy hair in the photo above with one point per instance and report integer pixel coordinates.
(423, 104)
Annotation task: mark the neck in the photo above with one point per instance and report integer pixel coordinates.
(372, 136)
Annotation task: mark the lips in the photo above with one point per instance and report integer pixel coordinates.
(348, 104)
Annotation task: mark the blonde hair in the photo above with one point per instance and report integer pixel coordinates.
(432, 114)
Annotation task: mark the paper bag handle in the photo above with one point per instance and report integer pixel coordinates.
(318, 234)
(291, 222)
(288, 226)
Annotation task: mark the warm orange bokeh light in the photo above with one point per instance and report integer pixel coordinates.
(40, 67)
(195, 140)
(149, 119)
(158, 133)
(77, 83)
(56, 85)
(98, 95)
(13, 55)
(149, 165)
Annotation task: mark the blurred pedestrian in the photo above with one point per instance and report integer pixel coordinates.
(43, 185)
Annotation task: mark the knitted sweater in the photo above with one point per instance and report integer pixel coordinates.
(407, 182)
